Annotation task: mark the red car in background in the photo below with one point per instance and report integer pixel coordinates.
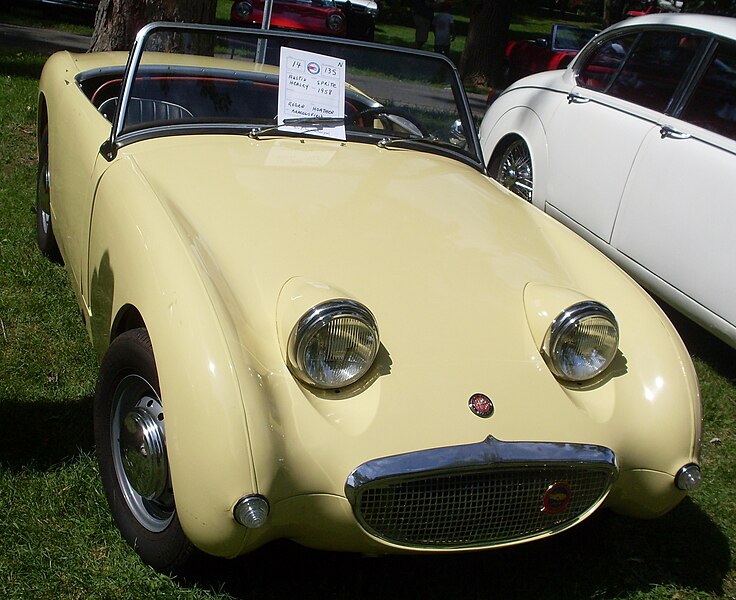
(310, 16)
(555, 51)
(648, 7)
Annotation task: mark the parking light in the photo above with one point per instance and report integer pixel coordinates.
(251, 511)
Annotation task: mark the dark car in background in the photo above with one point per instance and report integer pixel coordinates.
(77, 10)
(361, 17)
(85, 5)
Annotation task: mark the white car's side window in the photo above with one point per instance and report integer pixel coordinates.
(655, 67)
(645, 69)
(713, 103)
(600, 69)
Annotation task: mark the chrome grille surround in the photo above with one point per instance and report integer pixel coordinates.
(479, 495)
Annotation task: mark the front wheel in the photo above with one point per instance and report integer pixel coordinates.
(131, 450)
(511, 166)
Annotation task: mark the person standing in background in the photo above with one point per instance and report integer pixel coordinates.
(443, 26)
(423, 13)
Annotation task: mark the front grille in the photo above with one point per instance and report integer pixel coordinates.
(475, 509)
(483, 494)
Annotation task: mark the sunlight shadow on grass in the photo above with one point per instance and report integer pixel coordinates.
(608, 555)
(43, 433)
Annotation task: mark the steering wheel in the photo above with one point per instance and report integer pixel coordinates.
(391, 120)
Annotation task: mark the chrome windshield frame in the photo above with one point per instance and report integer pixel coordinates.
(119, 138)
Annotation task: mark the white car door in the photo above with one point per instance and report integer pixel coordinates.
(592, 144)
(623, 87)
(593, 139)
(678, 211)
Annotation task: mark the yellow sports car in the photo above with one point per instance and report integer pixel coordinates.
(319, 319)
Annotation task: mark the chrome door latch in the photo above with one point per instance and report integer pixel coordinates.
(573, 98)
(667, 131)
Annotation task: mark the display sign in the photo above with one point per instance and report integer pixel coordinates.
(312, 87)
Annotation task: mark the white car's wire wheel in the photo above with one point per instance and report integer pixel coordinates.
(131, 449)
(511, 166)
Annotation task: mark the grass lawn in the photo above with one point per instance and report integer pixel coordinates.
(58, 540)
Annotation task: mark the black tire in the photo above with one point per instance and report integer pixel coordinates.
(128, 417)
(44, 229)
(511, 166)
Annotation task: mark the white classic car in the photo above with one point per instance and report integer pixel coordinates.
(318, 320)
(633, 146)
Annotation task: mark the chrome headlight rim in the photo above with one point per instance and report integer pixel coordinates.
(567, 322)
(315, 320)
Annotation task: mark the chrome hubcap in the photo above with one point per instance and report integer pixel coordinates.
(139, 453)
(45, 220)
(515, 170)
(44, 198)
(143, 453)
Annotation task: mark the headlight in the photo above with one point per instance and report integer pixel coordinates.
(333, 344)
(581, 342)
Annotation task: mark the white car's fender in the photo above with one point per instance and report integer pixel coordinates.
(499, 127)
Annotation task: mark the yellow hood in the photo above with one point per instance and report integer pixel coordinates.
(441, 256)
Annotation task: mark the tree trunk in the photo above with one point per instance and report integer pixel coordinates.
(117, 21)
(482, 61)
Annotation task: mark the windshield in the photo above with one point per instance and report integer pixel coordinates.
(569, 37)
(202, 79)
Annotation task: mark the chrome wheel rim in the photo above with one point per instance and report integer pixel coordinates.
(139, 453)
(43, 195)
(515, 170)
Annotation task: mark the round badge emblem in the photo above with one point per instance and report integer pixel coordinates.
(481, 405)
(313, 68)
(557, 498)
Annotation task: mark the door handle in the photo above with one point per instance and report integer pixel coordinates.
(667, 131)
(573, 98)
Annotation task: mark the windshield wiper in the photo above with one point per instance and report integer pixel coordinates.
(315, 122)
(413, 142)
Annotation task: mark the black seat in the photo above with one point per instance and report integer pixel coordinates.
(145, 110)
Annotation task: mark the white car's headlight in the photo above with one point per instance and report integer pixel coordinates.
(581, 342)
(333, 344)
